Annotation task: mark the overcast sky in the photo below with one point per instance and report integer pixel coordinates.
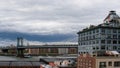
(38, 19)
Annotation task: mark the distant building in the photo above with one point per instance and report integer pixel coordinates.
(33, 51)
(54, 51)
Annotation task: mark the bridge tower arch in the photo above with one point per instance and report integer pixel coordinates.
(20, 49)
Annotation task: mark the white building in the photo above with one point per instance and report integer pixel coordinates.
(103, 37)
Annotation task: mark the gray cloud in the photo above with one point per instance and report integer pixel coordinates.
(53, 16)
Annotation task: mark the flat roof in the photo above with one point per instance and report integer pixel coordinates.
(107, 57)
(20, 63)
(14, 58)
(52, 59)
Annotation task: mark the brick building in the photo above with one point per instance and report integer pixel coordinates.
(103, 61)
(53, 51)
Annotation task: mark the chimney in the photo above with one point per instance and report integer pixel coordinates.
(112, 12)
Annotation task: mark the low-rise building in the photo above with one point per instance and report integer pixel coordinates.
(58, 62)
(104, 60)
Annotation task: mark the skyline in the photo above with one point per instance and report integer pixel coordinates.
(45, 21)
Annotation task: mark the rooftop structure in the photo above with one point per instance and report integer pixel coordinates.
(59, 62)
(112, 16)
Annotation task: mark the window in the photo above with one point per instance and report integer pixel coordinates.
(114, 36)
(102, 65)
(97, 31)
(119, 36)
(83, 38)
(119, 42)
(93, 42)
(83, 34)
(97, 36)
(114, 47)
(114, 41)
(102, 47)
(89, 42)
(117, 64)
(103, 30)
(108, 41)
(82, 43)
(97, 41)
(93, 48)
(90, 32)
(109, 36)
(93, 36)
(79, 43)
(93, 31)
(114, 31)
(107, 47)
(97, 47)
(108, 31)
(90, 37)
(87, 38)
(103, 35)
(119, 48)
(118, 31)
(103, 41)
(109, 63)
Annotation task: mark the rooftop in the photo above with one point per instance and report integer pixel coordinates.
(111, 21)
(20, 63)
(14, 58)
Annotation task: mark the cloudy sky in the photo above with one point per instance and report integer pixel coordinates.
(48, 21)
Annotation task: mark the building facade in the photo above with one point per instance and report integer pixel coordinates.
(88, 61)
(103, 37)
(54, 51)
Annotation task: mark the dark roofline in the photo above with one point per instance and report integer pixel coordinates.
(95, 27)
(85, 30)
(17, 63)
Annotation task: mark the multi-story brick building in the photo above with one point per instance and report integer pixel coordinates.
(104, 61)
